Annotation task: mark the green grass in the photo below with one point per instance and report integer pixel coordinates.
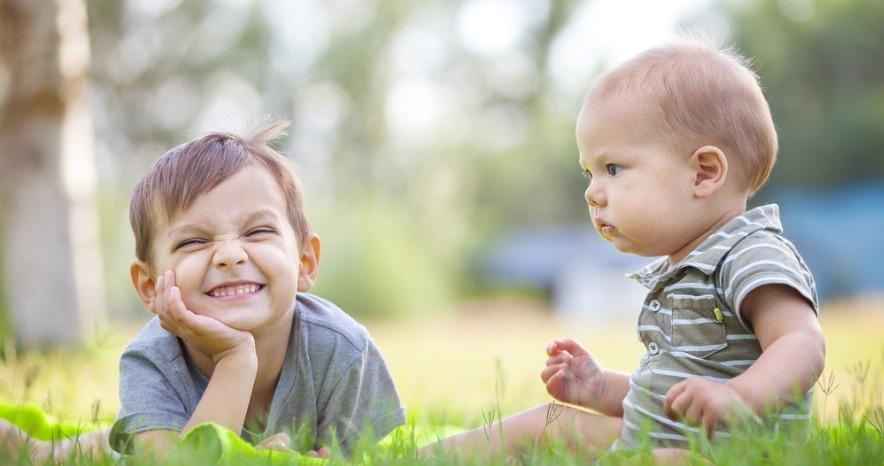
(483, 362)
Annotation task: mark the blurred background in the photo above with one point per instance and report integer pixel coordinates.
(435, 139)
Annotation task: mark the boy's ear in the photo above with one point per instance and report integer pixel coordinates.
(144, 282)
(309, 263)
(710, 167)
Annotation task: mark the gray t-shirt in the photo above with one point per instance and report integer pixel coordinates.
(334, 382)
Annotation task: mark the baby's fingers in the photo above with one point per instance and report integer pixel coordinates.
(550, 371)
(561, 358)
(669, 409)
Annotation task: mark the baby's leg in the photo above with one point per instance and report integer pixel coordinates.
(588, 433)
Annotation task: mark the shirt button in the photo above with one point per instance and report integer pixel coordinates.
(653, 348)
(654, 305)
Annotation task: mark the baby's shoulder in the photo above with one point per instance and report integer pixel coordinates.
(762, 247)
(326, 326)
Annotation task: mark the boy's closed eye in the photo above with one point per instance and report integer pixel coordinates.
(260, 231)
(191, 242)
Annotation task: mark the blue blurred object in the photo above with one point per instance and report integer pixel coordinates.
(840, 233)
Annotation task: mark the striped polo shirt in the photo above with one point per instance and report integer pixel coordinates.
(691, 325)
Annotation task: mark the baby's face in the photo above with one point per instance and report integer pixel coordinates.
(639, 195)
(233, 251)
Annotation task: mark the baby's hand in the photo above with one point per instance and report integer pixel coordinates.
(208, 335)
(571, 374)
(700, 401)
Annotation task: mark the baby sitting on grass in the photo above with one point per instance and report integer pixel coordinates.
(673, 143)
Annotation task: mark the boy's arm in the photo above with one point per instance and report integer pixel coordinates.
(226, 398)
(792, 343)
(225, 402)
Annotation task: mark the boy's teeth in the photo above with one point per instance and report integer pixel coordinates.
(234, 290)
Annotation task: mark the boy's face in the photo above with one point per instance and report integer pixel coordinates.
(234, 253)
(640, 192)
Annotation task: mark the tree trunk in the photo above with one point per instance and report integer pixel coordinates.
(52, 262)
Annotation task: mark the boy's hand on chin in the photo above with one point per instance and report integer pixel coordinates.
(209, 336)
(699, 401)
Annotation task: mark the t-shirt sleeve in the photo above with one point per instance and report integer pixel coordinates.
(363, 403)
(148, 400)
(764, 259)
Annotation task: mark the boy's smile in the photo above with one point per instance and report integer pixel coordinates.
(235, 255)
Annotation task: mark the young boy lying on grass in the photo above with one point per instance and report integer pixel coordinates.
(674, 142)
(225, 256)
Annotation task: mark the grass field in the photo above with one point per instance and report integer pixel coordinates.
(451, 368)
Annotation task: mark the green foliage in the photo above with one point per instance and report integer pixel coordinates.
(823, 73)
(376, 262)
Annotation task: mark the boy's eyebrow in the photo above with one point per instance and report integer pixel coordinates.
(261, 213)
(184, 229)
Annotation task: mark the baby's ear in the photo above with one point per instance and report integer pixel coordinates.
(309, 266)
(143, 281)
(710, 167)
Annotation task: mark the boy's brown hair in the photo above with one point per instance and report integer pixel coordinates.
(192, 169)
(704, 96)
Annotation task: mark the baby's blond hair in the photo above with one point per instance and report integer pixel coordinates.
(705, 96)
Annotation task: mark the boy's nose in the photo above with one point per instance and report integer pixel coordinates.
(229, 254)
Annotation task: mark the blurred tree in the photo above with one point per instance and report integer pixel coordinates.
(52, 264)
(822, 66)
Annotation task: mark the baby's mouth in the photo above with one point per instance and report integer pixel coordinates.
(605, 229)
(235, 290)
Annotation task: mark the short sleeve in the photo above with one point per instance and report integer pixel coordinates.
(148, 400)
(363, 403)
(764, 259)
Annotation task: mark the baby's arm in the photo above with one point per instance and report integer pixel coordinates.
(793, 353)
(792, 343)
(572, 376)
(226, 398)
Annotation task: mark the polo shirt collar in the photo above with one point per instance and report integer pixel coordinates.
(708, 254)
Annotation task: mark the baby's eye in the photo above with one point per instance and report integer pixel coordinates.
(613, 169)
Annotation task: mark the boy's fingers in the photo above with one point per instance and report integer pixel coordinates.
(176, 306)
(278, 442)
(157, 307)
